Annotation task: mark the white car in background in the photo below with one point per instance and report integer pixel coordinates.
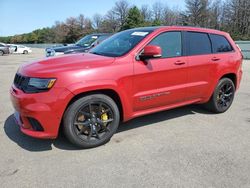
(19, 49)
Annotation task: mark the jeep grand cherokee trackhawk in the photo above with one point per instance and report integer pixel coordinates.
(133, 73)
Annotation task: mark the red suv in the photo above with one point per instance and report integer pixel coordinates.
(133, 73)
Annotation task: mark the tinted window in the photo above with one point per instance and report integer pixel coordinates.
(102, 38)
(1, 45)
(87, 40)
(170, 43)
(220, 44)
(198, 43)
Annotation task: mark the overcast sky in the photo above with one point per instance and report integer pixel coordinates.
(22, 16)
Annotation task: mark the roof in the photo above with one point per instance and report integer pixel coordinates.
(186, 28)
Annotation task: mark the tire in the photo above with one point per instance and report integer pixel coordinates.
(83, 121)
(25, 52)
(222, 97)
(1, 53)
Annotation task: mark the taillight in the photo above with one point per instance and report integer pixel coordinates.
(238, 47)
(242, 57)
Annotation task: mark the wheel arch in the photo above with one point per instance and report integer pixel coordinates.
(231, 76)
(109, 92)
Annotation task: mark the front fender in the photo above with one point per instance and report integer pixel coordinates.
(97, 85)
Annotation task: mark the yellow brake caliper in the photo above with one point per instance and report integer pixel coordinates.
(104, 117)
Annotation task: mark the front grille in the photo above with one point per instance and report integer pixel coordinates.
(21, 82)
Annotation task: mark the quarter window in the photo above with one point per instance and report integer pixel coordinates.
(170, 43)
(220, 44)
(198, 43)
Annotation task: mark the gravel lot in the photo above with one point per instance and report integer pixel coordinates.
(184, 147)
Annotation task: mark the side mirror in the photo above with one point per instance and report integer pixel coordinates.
(150, 51)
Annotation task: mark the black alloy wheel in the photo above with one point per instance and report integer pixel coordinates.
(225, 96)
(222, 97)
(91, 121)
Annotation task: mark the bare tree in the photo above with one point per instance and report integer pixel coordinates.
(146, 13)
(81, 21)
(171, 16)
(215, 14)
(238, 12)
(157, 10)
(97, 20)
(120, 10)
(110, 23)
(60, 31)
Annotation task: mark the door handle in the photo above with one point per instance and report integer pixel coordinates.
(179, 63)
(215, 59)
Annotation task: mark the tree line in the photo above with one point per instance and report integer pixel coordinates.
(232, 16)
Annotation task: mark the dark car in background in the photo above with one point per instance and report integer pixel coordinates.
(4, 49)
(83, 45)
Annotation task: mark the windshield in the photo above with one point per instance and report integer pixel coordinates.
(87, 40)
(120, 43)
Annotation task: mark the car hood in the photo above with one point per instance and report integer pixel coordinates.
(66, 48)
(50, 67)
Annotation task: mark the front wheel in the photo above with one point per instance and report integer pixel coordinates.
(222, 97)
(1, 53)
(91, 121)
(25, 52)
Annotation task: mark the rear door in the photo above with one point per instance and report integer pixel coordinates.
(162, 81)
(200, 64)
(20, 49)
(222, 49)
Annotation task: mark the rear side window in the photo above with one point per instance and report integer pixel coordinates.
(198, 43)
(170, 43)
(220, 44)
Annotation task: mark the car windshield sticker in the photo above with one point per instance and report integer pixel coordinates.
(94, 37)
(139, 33)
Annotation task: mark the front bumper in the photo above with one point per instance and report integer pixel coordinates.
(46, 108)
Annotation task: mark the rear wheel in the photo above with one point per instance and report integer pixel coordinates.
(91, 121)
(1, 53)
(222, 97)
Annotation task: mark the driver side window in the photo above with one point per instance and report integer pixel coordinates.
(170, 43)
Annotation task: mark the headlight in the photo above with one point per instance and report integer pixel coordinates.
(50, 52)
(40, 84)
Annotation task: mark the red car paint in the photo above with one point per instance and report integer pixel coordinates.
(141, 88)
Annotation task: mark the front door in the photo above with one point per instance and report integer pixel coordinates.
(162, 81)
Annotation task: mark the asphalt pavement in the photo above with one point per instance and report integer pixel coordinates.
(184, 147)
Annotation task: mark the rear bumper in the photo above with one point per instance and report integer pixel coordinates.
(46, 108)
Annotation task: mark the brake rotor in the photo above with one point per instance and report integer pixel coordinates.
(80, 118)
